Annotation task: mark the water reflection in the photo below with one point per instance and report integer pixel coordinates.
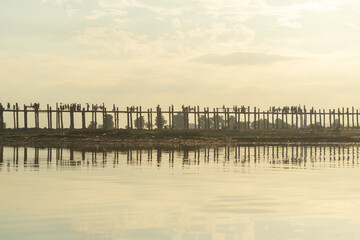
(251, 156)
(238, 192)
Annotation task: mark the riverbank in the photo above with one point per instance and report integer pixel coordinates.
(138, 138)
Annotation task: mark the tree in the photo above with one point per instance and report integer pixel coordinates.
(4, 125)
(108, 122)
(139, 122)
(261, 122)
(279, 123)
(179, 121)
(92, 125)
(160, 122)
(220, 120)
(337, 124)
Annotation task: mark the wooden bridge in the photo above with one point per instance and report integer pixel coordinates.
(188, 117)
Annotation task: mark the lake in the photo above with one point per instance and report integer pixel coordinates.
(238, 192)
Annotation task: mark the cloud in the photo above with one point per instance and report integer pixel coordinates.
(97, 14)
(353, 26)
(70, 10)
(243, 58)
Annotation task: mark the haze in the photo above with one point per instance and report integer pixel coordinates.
(204, 52)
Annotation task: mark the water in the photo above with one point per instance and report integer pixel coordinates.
(244, 192)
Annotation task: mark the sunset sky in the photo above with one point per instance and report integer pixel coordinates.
(198, 52)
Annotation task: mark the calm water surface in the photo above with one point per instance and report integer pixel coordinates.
(244, 192)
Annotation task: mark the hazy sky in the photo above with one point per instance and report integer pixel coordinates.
(203, 52)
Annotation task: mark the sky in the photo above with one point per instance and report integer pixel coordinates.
(199, 52)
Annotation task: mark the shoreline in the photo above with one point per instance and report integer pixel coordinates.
(174, 138)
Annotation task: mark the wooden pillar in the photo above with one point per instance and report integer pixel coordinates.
(277, 119)
(245, 122)
(255, 118)
(71, 117)
(206, 111)
(170, 119)
(343, 117)
(17, 115)
(296, 119)
(236, 119)
(141, 119)
(25, 117)
(315, 118)
(131, 117)
(198, 118)
(248, 116)
(187, 110)
(227, 112)
(208, 117)
(114, 117)
(268, 119)
(92, 117)
(353, 117)
(173, 118)
(1, 150)
(138, 117)
(48, 115)
(148, 116)
(215, 120)
(151, 118)
(118, 118)
(136, 122)
(357, 118)
(83, 120)
(282, 118)
(348, 117)
(1, 117)
(311, 116)
(37, 117)
(292, 119)
(14, 116)
(272, 118)
(184, 117)
(339, 119)
(61, 119)
(205, 119)
(324, 120)
(104, 117)
(57, 122)
(51, 120)
(128, 117)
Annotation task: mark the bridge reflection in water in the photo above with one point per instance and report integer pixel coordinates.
(253, 156)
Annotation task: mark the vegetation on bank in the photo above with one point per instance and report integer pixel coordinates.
(241, 135)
